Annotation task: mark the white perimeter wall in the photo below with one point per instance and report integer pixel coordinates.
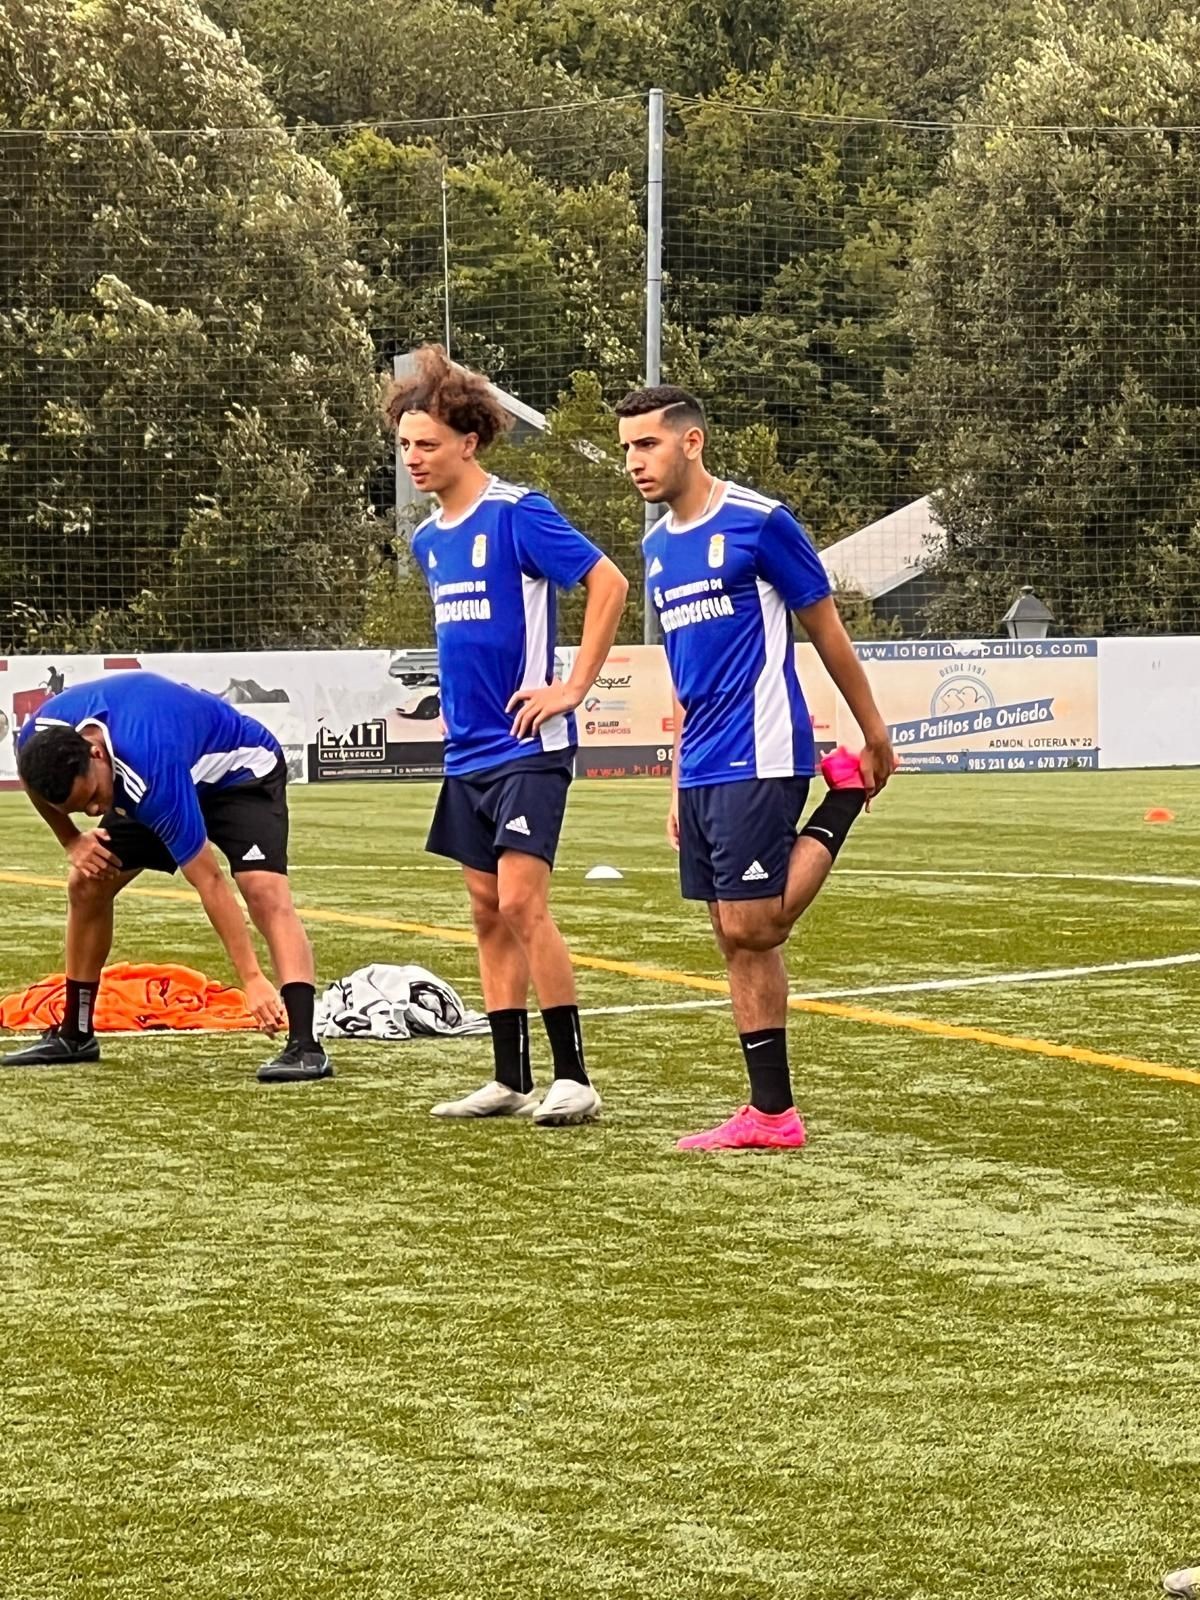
(1147, 696)
(1149, 702)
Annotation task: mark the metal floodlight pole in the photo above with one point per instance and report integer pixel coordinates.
(403, 482)
(446, 252)
(654, 253)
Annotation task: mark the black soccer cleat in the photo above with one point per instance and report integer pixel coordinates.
(54, 1049)
(297, 1063)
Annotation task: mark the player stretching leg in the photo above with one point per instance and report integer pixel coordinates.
(168, 769)
(492, 555)
(725, 568)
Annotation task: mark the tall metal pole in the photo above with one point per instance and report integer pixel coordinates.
(446, 252)
(654, 253)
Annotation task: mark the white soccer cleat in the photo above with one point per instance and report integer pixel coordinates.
(493, 1100)
(566, 1103)
(1185, 1583)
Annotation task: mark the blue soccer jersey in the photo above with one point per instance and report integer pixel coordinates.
(168, 745)
(493, 573)
(725, 588)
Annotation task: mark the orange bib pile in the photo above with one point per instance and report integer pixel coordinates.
(135, 998)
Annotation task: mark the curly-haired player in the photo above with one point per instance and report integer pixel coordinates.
(494, 555)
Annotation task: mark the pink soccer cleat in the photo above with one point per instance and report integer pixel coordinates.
(842, 769)
(749, 1129)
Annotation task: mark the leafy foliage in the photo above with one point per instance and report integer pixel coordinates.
(1054, 268)
(185, 372)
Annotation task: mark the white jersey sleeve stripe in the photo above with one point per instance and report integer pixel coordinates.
(535, 595)
(247, 758)
(751, 494)
(135, 788)
(135, 784)
(773, 753)
(748, 498)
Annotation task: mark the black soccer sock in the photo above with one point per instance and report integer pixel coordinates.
(510, 1047)
(830, 822)
(79, 1015)
(301, 1001)
(566, 1042)
(767, 1065)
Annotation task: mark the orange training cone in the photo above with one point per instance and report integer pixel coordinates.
(1159, 814)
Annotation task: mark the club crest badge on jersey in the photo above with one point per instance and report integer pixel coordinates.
(479, 551)
(716, 550)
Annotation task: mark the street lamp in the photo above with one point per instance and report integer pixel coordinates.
(1027, 617)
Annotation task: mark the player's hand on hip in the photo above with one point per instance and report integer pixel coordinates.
(538, 706)
(877, 763)
(673, 823)
(264, 1005)
(90, 856)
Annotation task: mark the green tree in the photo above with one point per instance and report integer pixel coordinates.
(613, 46)
(690, 47)
(383, 60)
(1055, 312)
(921, 60)
(186, 380)
(577, 462)
(545, 279)
(439, 70)
(786, 242)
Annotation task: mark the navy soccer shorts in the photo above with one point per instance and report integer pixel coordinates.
(517, 806)
(735, 839)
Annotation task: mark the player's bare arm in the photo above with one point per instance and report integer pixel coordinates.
(677, 716)
(223, 911)
(606, 587)
(827, 632)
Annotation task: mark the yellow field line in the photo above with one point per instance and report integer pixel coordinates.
(1001, 1041)
(687, 980)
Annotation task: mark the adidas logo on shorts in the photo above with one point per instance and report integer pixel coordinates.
(254, 854)
(519, 825)
(755, 873)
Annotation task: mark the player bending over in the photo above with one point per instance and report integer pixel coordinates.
(725, 568)
(493, 555)
(170, 771)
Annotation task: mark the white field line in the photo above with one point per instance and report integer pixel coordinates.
(922, 986)
(928, 985)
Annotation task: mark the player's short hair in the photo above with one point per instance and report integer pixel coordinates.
(463, 400)
(52, 761)
(680, 407)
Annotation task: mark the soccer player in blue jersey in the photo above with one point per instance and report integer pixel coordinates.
(170, 772)
(494, 555)
(725, 570)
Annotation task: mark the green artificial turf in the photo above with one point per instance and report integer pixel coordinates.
(282, 1344)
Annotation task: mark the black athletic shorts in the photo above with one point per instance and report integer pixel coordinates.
(248, 823)
(517, 806)
(735, 839)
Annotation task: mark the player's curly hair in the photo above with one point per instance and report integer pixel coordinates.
(461, 399)
(51, 762)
